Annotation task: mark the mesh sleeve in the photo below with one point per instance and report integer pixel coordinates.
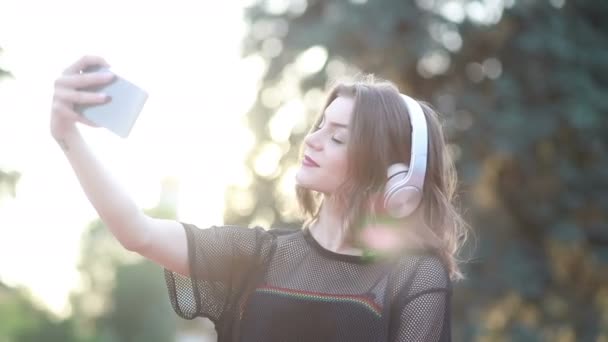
(222, 263)
(424, 313)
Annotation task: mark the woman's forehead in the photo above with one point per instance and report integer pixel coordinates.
(340, 110)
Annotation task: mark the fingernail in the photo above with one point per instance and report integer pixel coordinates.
(104, 97)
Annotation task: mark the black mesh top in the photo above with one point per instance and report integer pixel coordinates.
(282, 285)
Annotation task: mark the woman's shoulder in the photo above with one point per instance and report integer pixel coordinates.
(281, 231)
(238, 235)
(422, 271)
(227, 228)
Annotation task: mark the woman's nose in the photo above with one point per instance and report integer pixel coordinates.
(312, 140)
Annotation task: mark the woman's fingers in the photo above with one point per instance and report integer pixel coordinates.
(87, 121)
(84, 80)
(83, 63)
(68, 92)
(65, 111)
(69, 113)
(79, 97)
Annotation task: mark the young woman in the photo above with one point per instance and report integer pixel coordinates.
(374, 261)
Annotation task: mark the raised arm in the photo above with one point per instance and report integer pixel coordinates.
(162, 241)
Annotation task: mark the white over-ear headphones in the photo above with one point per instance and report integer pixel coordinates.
(403, 191)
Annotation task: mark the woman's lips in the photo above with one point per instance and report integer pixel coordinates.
(307, 161)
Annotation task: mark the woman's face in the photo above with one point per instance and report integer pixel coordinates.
(324, 164)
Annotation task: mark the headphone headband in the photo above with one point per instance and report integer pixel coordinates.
(417, 168)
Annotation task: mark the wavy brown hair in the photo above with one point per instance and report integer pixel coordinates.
(380, 135)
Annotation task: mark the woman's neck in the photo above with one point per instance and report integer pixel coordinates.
(330, 231)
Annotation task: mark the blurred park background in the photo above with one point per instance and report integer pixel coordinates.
(521, 85)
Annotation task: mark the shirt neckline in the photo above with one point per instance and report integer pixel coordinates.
(351, 258)
(359, 259)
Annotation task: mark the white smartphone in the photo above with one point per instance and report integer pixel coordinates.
(121, 112)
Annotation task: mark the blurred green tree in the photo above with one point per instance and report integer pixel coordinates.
(8, 179)
(3, 72)
(8, 182)
(22, 320)
(521, 86)
(123, 296)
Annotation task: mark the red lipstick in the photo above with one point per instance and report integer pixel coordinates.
(307, 161)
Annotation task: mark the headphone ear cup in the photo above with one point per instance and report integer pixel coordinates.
(400, 199)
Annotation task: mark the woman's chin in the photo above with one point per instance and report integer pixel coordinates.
(311, 182)
(303, 183)
(301, 180)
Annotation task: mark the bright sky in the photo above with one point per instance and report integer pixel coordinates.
(186, 54)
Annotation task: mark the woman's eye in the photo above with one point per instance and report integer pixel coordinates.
(337, 141)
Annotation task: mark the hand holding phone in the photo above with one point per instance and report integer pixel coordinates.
(119, 114)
